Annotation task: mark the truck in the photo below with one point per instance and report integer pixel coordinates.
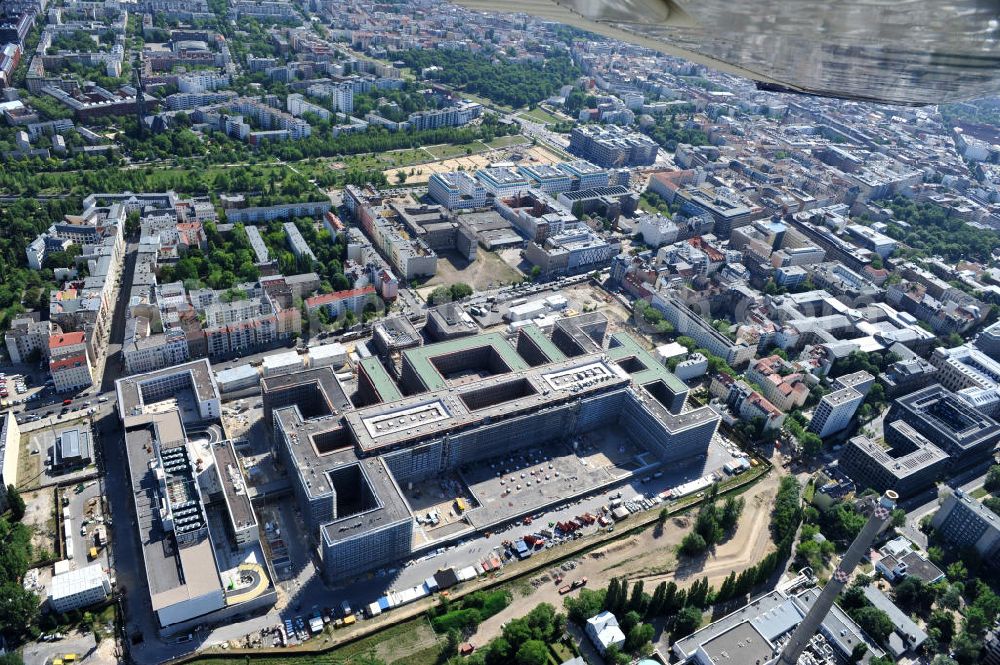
(533, 540)
(563, 590)
(345, 609)
(580, 582)
(101, 536)
(316, 624)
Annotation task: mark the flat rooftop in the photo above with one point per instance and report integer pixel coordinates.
(324, 456)
(430, 415)
(384, 385)
(544, 344)
(742, 644)
(421, 358)
(174, 574)
(233, 484)
(948, 418)
(625, 346)
(132, 396)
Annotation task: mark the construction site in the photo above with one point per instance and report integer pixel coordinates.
(443, 441)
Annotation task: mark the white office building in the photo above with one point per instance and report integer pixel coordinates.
(456, 190)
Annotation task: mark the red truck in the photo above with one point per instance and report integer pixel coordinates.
(534, 541)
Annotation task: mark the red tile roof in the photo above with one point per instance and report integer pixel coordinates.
(63, 363)
(328, 298)
(65, 339)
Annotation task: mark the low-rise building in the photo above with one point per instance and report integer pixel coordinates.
(899, 560)
(79, 588)
(604, 631)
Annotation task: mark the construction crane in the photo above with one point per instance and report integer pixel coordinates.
(811, 622)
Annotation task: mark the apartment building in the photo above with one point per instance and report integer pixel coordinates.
(612, 146)
(69, 362)
(26, 336)
(782, 386)
(339, 302)
(688, 322)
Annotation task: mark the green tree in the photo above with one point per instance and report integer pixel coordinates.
(686, 622)
(532, 652)
(16, 503)
(812, 445)
(638, 637)
(875, 623)
(588, 603)
(992, 482)
(18, 609)
(693, 544)
(912, 595)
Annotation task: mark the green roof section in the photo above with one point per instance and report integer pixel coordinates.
(624, 345)
(544, 344)
(420, 357)
(386, 388)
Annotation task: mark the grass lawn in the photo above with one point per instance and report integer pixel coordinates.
(405, 640)
(447, 151)
(507, 141)
(980, 493)
(540, 115)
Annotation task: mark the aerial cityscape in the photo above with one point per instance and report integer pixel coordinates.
(406, 333)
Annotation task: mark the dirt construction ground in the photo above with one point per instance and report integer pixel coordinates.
(650, 556)
(488, 271)
(423, 172)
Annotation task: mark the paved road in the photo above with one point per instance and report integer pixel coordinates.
(113, 355)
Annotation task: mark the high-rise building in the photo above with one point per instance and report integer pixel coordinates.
(835, 411)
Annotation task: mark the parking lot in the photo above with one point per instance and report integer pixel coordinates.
(530, 479)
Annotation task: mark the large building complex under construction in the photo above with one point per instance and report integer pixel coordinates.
(459, 403)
